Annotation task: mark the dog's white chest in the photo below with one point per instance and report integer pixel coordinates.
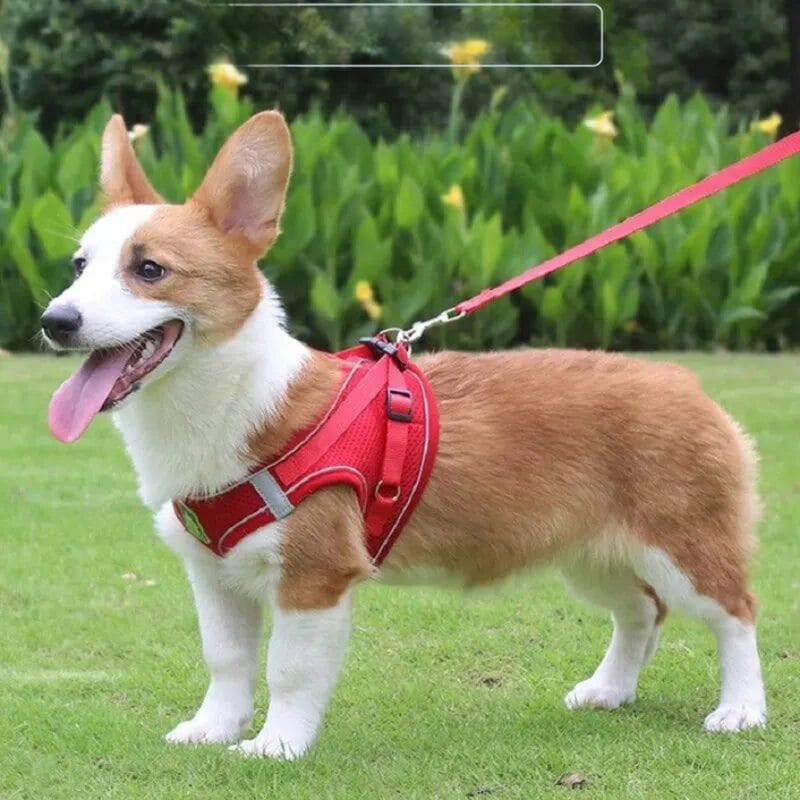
(252, 568)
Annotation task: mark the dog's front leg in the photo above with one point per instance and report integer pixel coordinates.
(230, 628)
(306, 653)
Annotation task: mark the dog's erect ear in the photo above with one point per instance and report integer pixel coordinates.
(245, 188)
(122, 179)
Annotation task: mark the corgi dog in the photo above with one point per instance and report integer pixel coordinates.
(621, 473)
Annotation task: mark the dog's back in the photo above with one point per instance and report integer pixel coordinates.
(543, 450)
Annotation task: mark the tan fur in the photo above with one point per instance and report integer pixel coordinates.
(542, 451)
(122, 180)
(661, 606)
(558, 446)
(212, 275)
(245, 188)
(324, 554)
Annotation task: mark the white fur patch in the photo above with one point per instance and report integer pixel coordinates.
(306, 654)
(614, 586)
(112, 315)
(187, 432)
(230, 629)
(252, 568)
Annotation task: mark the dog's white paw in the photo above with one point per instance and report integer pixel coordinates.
(271, 747)
(730, 719)
(203, 730)
(592, 694)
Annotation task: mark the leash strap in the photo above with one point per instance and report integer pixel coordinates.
(728, 176)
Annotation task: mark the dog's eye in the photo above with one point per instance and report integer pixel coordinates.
(150, 271)
(80, 265)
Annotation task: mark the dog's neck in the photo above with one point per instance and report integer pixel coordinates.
(190, 432)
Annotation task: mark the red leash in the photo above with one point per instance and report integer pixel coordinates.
(728, 176)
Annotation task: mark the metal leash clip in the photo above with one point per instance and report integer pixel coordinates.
(410, 335)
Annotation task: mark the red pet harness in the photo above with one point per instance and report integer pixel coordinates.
(379, 436)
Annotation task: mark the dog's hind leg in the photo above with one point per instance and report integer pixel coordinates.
(695, 554)
(726, 605)
(637, 613)
(690, 517)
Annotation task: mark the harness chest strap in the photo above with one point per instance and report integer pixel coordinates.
(379, 436)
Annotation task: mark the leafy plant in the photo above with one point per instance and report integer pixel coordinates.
(426, 222)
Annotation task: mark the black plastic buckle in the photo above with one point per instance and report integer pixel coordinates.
(383, 347)
(398, 416)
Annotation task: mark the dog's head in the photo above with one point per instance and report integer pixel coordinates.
(153, 280)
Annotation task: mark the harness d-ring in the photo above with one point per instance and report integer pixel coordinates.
(378, 495)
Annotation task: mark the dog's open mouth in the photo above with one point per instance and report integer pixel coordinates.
(107, 377)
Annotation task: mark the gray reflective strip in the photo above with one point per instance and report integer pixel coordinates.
(273, 495)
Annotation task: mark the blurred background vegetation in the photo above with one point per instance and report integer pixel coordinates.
(414, 187)
(66, 54)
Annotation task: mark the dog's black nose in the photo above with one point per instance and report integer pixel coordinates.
(61, 322)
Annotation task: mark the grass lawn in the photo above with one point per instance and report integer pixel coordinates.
(445, 695)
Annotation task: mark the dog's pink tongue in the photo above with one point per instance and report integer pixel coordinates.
(80, 397)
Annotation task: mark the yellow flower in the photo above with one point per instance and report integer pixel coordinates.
(454, 197)
(473, 49)
(769, 125)
(224, 74)
(466, 56)
(602, 126)
(363, 292)
(138, 131)
(366, 297)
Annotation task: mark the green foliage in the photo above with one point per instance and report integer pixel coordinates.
(734, 52)
(65, 55)
(721, 274)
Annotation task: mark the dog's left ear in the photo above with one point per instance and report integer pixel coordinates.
(245, 188)
(122, 179)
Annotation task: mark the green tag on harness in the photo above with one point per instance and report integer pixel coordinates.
(193, 524)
